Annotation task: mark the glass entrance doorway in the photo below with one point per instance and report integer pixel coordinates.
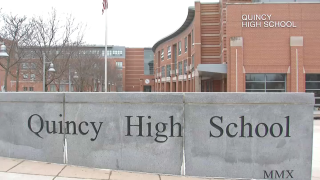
(147, 89)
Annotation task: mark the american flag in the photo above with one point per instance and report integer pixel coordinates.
(105, 5)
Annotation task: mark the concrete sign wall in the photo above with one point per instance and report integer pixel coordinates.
(234, 135)
(242, 135)
(24, 119)
(135, 132)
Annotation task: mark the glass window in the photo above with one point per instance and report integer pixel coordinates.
(313, 86)
(33, 66)
(119, 65)
(254, 77)
(265, 83)
(30, 88)
(276, 77)
(192, 38)
(185, 63)
(192, 62)
(162, 71)
(62, 88)
(33, 76)
(180, 68)
(25, 88)
(169, 52)
(185, 44)
(162, 55)
(25, 66)
(179, 48)
(102, 52)
(148, 62)
(168, 70)
(313, 77)
(53, 88)
(25, 76)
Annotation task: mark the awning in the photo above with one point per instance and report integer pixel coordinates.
(216, 71)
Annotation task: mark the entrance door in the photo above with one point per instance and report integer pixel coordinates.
(146, 88)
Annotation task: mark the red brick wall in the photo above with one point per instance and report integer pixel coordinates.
(267, 50)
(134, 69)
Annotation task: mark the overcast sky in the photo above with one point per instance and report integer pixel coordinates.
(131, 23)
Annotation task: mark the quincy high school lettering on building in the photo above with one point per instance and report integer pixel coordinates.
(264, 21)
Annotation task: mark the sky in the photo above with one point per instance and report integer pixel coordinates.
(130, 23)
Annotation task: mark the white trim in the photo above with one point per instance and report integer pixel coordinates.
(297, 68)
(210, 34)
(236, 70)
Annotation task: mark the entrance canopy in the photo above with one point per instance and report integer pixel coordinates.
(216, 71)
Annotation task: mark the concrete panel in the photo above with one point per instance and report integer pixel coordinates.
(112, 147)
(17, 140)
(296, 41)
(236, 41)
(216, 148)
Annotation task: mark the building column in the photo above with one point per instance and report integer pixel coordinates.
(160, 83)
(235, 66)
(171, 78)
(141, 85)
(297, 75)
(197, 81)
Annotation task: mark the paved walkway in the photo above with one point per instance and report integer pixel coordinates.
(18, 169)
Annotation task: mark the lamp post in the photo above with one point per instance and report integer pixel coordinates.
(3, 53)
(75, 76)
(51, 69)
(98, 85)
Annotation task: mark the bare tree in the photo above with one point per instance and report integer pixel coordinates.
(90, 70)
(56, 41)
(18, 31)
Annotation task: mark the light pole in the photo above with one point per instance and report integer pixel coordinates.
(75, 76)
(51, 69)
(3, 53)
(98, 85)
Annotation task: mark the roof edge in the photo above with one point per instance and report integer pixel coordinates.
(185, 25)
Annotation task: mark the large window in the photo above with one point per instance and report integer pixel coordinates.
(53, 88)
(162, 71)
(162, 55)
(179, 48)
(119, 65)
(148, 62)
(265, 83)
(62, 88)
(168, 70)
(192, 38)
(180, 68)
(313, 86)
(169, 52)
(192, 63)
(185, 44)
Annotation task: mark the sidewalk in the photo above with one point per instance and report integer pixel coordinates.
(18, 169)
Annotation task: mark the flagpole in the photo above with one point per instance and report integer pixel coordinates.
(106, 54)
